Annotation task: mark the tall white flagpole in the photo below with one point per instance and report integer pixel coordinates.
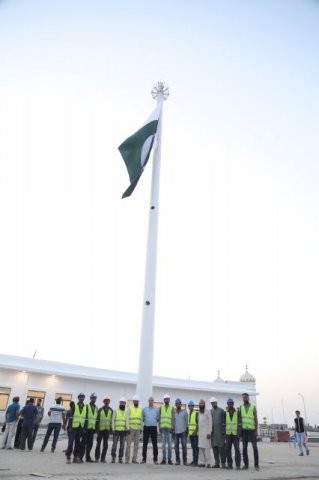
(144, 386)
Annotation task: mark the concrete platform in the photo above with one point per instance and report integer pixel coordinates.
(277, 461)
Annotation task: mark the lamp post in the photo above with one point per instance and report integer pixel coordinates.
(283, 411)
(304, 406)
(272, 415)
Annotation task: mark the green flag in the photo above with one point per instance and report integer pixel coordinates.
(137, 148)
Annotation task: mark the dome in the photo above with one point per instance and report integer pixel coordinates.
(247, 377)
(218, 379)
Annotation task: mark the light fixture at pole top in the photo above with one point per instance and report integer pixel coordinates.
(160, 89)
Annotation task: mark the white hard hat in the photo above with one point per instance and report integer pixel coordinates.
(136, 397)
(166, 396)
(213, 399)
(123, 399)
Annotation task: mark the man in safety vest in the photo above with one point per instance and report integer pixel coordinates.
(103, 427)
(249, 430)
(77, 431)
(120, 428)
(193, 432)
(92, 412)
(233, 432)
(166, 422)
(135, 425)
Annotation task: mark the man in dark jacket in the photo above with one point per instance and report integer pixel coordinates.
(300, 432)
(29, 413)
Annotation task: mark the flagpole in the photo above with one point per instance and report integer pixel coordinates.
(144, 385)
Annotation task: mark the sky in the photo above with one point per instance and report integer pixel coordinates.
(238, 260)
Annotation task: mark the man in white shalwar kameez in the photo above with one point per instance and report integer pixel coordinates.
(204, 435)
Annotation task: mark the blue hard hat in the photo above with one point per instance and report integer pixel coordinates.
(191, 403)
(230, 400)
(178, 400)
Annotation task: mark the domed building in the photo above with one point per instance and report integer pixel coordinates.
(247, 377)
(219, 379)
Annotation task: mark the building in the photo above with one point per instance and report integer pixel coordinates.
(30, 377)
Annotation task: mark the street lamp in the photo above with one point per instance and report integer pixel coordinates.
(304, 406)
(272, 415)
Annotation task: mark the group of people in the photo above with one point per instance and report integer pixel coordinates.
(22, 424)
(208, 429)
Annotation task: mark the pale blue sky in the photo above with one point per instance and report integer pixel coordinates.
(238, 231)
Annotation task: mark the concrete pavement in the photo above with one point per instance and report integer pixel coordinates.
(277, 461)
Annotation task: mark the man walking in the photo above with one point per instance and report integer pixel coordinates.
(218, 434)
(103, 426)
(120, 428)
(166, 422)
(233, 432)
(249, 422)
(150, 421)
(38, 418)
(204, 435)
(300, 432)
(77, 423)
(180, 431)
(193, 432)
(91, 418)
(11, 419)
(29, 412)
(135, 429)
(56, 417)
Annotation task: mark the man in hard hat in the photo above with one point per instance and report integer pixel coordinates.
(103, 427)
(249, 427)
(180, 431)
(166, 422)
(78, 416)
(218, 434)
(135, 428)
(150, 421)
(92, 412)
(204, 435)
(120, 428)
(193, 432)
(233, 432)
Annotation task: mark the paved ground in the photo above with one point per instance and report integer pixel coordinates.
(277, 461)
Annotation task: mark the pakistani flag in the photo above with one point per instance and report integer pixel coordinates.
(136, 149)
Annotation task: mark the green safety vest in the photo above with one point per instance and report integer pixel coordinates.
(135, 420)
(247, 418)
(166, 417)
(192, 422)
(105, 419)
(79, 418)
(120, 420)
(231, 423)
(91, 417)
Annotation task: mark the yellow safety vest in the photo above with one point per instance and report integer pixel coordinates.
(247, 418)
(105, 419)
(192, 424)
(79, 418)
(166, 417)
(135, 420)
(120, 420)
(91, 417)
(231, 423)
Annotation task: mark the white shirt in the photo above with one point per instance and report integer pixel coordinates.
(56, 413)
